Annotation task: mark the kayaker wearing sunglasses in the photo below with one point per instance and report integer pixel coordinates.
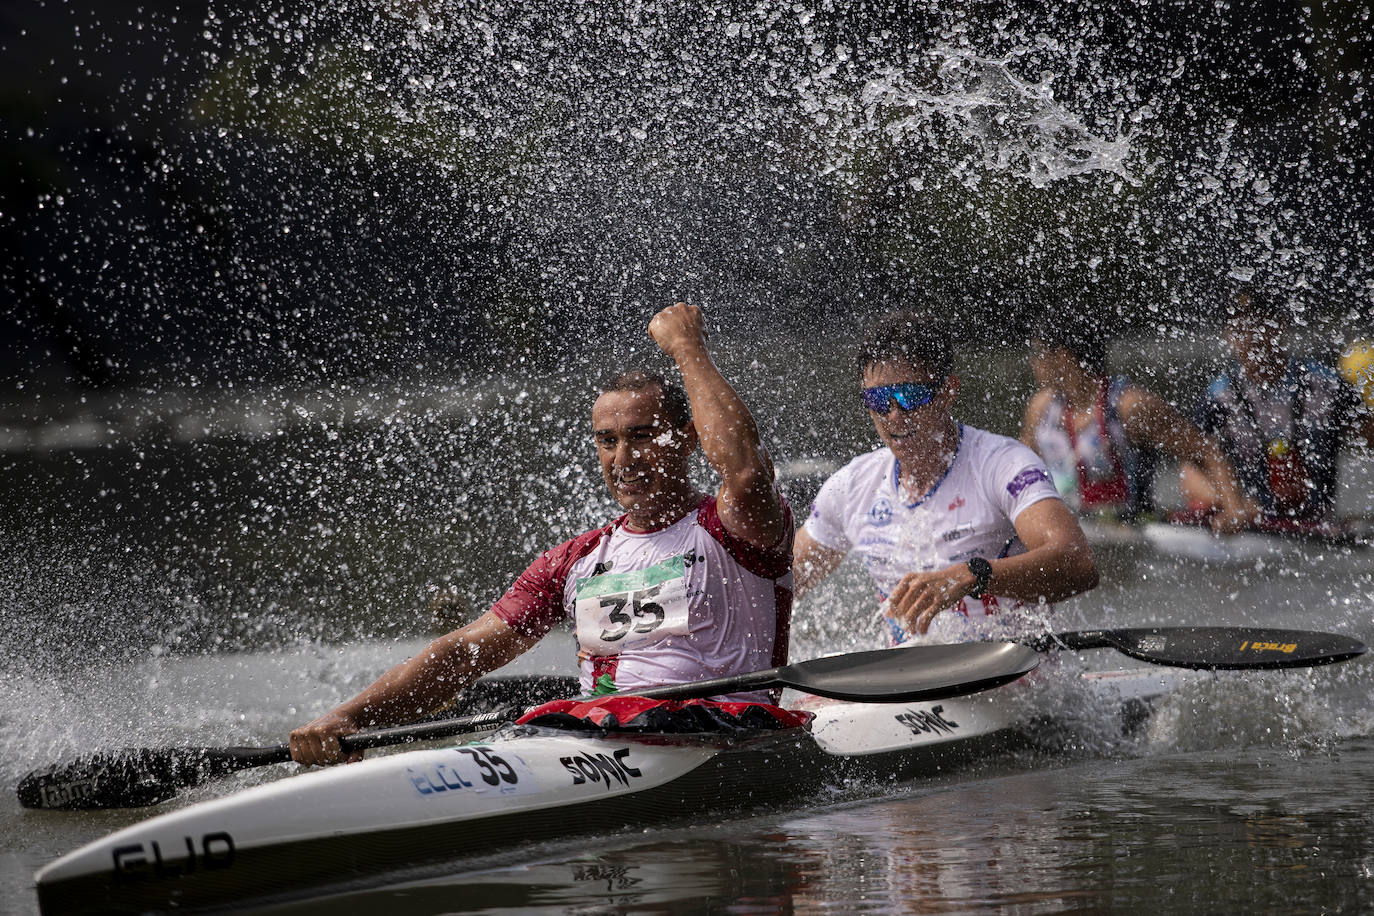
(962, 530)
(684, 586)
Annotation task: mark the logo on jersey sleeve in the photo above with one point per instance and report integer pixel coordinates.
(1025, 479)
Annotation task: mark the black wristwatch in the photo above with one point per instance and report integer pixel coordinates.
(982, 576)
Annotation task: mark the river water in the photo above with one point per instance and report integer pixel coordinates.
(159, 592)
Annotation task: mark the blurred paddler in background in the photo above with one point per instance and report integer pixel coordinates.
(1101, 434)
(1281, 418)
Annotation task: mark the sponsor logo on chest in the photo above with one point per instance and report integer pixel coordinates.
(880, 513)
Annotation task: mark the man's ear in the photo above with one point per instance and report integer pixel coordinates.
(952, 386)
(690, 440)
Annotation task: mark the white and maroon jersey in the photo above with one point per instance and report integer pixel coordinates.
(684, 603)
(1097, 469)
(970, 512)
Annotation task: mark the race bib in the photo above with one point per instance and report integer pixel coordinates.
(616, 611)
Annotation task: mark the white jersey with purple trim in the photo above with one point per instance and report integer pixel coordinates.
(970, 512)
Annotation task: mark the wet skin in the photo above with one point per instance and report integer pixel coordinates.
(644, 461)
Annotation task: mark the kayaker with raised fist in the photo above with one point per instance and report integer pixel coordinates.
(1282, 419)
(684, 586)
(962, 530)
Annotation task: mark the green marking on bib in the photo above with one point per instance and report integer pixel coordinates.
(615, 583)
(603, 686)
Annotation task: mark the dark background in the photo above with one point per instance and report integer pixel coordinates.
(200, 194)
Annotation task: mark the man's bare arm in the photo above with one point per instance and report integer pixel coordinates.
(1035, 410)
(1057, 564)
(811, 562)
(1151, 423)
(414, 687)
(750, 505)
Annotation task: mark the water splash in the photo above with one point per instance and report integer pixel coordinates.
(1017, 126)
(404, 190)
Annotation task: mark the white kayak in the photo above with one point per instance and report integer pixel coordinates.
(397, 815)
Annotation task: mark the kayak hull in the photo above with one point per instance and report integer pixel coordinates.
(402, 814)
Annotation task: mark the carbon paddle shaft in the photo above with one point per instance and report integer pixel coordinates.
(429, 731)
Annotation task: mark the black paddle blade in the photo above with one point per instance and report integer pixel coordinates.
(137, 777)
(905, 675)
(134, 777)
(1216, 648)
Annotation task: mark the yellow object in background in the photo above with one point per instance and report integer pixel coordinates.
(1357, 365)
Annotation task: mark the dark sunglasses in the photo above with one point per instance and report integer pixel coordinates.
(908, 395)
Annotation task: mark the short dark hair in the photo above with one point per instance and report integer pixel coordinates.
(676, 408)
(1084, 337)
(908, 336)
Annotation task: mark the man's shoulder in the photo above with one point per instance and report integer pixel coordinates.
(862, 472)
(985, 446)
(1318, 371)
(857, 477)
(998, 461)
(1327, 393)
(543, 580)
(766, 562)
(878, 461)
(574, 548)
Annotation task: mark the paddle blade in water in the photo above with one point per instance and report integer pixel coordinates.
(1238, 648)
(135, 777)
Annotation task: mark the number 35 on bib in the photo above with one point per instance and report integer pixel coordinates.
(618, 611)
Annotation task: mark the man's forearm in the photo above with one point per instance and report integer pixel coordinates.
(1049, 573)
(437, 673)
(811, 563)
(729, 436)
(1223, 478)
(412, 688)
(724, 427)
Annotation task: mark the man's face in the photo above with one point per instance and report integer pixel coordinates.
(1047, 364)
(1256, 342)
(909, 433)
(644, 461)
